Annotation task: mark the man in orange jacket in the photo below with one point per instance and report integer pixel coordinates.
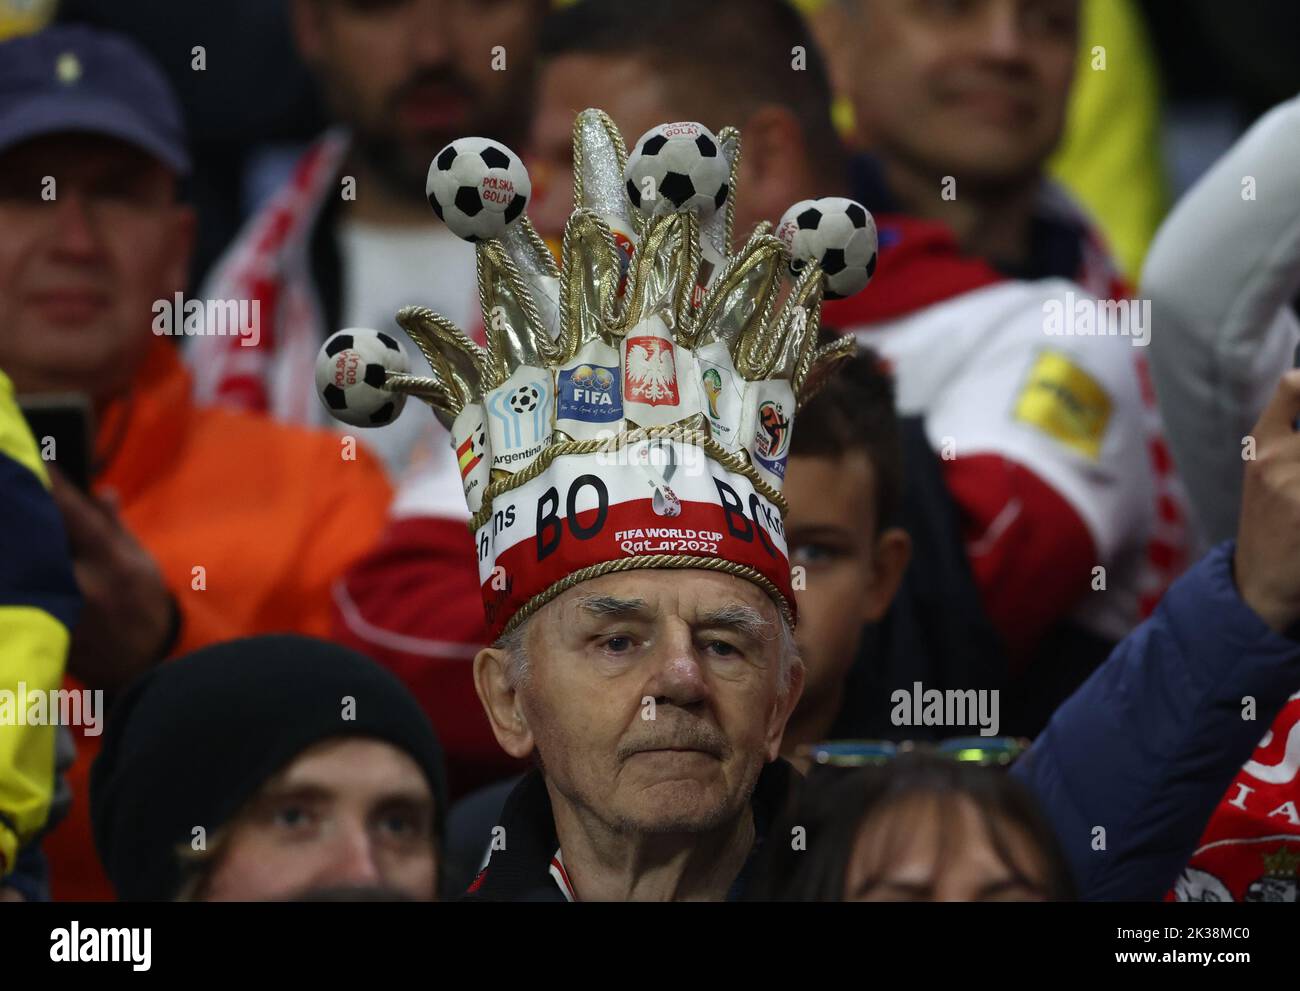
(201, 524)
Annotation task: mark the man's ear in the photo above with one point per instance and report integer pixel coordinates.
(889, 560)
(773, 170)
(501, 702)
(181, 244)
(305, 18)
(782, 709)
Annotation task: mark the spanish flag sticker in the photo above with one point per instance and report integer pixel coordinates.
(468, 456)
(1064, 401)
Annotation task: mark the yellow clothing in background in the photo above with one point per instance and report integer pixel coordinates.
(1111, 155)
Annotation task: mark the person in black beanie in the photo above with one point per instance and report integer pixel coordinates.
(266, 768)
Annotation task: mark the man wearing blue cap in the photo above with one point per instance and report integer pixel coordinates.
(200, 525)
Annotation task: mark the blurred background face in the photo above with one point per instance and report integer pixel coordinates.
(971, 88)
(705, 648)
(924, 849)
(79, 274)
(637, 97)
(355, 813)
(831, 535)
(411, 75)
(620, 85)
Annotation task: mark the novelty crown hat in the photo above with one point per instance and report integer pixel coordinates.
(633, 407)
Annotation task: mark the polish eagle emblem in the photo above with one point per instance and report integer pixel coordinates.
(651, 373)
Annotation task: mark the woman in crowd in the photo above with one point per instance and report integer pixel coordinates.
(927, 825)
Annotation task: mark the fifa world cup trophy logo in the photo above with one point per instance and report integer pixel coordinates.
(712, 389)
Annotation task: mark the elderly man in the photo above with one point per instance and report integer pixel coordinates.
(654, 701)
(632, 561)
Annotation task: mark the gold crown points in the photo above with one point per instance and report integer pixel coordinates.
(649, 322)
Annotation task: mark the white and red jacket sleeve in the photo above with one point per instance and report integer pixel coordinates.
(414, 605)
(1049, 442)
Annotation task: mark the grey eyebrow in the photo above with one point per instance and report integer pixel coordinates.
(611, 605)
(745, 620)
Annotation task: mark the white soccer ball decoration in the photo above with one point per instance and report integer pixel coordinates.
(478, 187)
(839, 234)
(676, 167)
(350, 371)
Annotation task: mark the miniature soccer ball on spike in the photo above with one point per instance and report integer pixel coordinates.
(478, 187)
(837, 233)
(676, 167)
(351, 368)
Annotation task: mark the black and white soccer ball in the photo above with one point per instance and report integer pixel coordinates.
(676, 167)
(839, 234)
(351, 367)
(524, 399)
(478, 187)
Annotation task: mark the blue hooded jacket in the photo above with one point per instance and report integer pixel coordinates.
(1132, 766)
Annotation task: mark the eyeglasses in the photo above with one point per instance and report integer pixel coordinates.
(983, 751)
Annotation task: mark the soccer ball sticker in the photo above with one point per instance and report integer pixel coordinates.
(351, 368)
(676, 167)
(839, 234)
(478, 187)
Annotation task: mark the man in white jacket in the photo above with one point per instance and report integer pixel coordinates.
(1221, 276)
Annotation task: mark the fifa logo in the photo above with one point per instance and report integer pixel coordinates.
(592, 386)
(590, 393)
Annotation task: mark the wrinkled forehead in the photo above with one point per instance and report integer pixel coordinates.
(692, 595)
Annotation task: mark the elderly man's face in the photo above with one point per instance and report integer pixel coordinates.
(90, 238)
(654, 698)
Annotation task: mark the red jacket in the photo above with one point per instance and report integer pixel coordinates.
(414, 604)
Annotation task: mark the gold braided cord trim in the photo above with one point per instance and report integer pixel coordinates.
(730, 133)
(670, 561)
(575, 282)
(730, 460)
(643, 257)
(495, 268)
(544, 258)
